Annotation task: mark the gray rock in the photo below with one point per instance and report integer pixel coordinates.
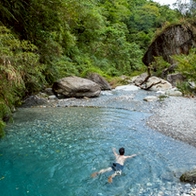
(159, 84)
(75, 87)
(34, 100)
(153, 83)
(173, 92)
(176, 78)
(100, 81)
(137, 80)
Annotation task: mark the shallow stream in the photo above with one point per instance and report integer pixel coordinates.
(54, 151)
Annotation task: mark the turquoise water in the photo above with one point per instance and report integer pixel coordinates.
(53, 152)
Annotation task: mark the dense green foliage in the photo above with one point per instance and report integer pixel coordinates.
(41, 41)
(187, 66)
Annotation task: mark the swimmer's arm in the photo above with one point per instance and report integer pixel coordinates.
(130, 156)
(114, 151)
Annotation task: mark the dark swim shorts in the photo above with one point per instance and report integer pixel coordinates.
(117, 167)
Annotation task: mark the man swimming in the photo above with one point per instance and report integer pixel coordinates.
(117, 167)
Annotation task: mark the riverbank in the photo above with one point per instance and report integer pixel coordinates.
(175, 117)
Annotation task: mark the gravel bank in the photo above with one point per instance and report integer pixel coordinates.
(176, 117)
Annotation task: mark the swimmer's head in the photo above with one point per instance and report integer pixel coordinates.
(122, 151)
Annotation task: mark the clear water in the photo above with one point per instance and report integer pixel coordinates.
(53, 152)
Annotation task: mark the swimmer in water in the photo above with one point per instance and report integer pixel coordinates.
(117, 167)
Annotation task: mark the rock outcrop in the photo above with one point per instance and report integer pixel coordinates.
(175, 39)
(75, 87)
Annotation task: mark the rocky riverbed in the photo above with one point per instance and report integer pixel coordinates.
(171, 115)
(175, 117)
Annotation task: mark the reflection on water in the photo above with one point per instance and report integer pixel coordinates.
(53, 151)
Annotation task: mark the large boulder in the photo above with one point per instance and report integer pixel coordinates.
(189, 176)
(99, 80)
(75, 87)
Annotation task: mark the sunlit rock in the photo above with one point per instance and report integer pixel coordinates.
(158, 84)
(75, 87)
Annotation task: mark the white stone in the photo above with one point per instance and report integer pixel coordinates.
(173, 93)
(150, 98)
(52, 97)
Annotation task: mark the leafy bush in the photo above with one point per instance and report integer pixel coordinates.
(4, 112)
(187, 67)
(186, 64)
(59, 38)
(2, 125)
(20, 70)
(158, 66)
(186, 90)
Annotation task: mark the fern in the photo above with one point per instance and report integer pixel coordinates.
(20, 71)
(187, 65)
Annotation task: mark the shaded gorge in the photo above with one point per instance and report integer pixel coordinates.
(54, 151)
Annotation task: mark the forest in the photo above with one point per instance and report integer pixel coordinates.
(42, 41)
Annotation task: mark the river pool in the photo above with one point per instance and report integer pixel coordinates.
(54, 151)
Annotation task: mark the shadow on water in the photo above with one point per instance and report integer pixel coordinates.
(51, 152)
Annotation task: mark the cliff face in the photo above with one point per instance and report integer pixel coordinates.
(176, 39)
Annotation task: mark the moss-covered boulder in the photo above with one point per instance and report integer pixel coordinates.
(189, 176)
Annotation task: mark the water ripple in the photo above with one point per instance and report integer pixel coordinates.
(51, 152)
